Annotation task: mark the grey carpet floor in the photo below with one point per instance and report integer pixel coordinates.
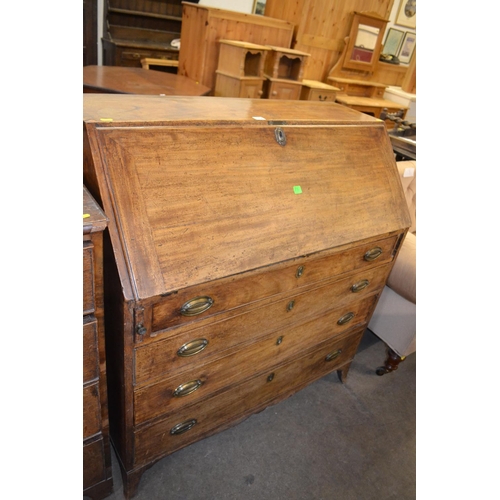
(330, 441)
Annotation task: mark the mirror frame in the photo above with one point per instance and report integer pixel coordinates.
(370, 19)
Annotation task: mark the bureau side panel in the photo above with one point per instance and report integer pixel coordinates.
(119, 328)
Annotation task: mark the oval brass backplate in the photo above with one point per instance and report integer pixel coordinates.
(192, 347)
(345, 318)
(333, 355)
(187, 388)
(196, 306)
(373, 254)
(360, 285)
(183, 427)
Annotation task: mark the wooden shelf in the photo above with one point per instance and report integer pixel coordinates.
(143, 14)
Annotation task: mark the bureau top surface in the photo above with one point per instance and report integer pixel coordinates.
(110, 110)
(204, 188)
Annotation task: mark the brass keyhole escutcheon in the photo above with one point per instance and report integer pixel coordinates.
(280, 136)
(290, 305)
(280, 340)
(300, 272)
(270, 377)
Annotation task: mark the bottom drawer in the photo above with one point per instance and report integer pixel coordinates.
(93, 463)
(191, 424)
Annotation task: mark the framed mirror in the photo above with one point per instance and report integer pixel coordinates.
(365, 41)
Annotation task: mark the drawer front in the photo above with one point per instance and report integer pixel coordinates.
(88, 278)
(91, 410)
(159, 439)
(281, 90)
(93, 463)
(229, 294)
(200, 382)
(356, 90)
(251, 89)
(90, 351)
(322, 95)
(162, 356)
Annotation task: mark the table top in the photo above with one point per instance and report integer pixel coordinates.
(125, 80)
(352, 100)
(365, 83)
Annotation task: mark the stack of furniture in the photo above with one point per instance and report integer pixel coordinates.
(249, 241)
(353, 73)
(240, 72)
(284, 71)
(97, 478)
(203, 27)
(138, 29)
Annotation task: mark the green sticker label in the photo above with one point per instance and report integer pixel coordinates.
(297, 189)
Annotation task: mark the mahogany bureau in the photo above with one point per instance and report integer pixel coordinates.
(97, 478)
(247, 245)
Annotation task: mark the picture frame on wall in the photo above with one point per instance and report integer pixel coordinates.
(259, 6)
(407, 14)
(407, 48)
(393, 41)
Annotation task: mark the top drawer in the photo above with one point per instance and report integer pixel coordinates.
(202, 301)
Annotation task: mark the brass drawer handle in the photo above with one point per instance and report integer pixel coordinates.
(333, 355)
(290, 305)
(196, 306)
(183, 427)
(191, 348)
(187, 388)
(373, 254)
(345, 318)
(360, 285)
(300, 272)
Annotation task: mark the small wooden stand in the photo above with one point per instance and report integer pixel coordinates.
(371, 105)
(283, 72)
(240, 72)
(313, 90)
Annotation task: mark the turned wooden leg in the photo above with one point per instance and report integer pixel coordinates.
(391, 363)
(342, 373)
